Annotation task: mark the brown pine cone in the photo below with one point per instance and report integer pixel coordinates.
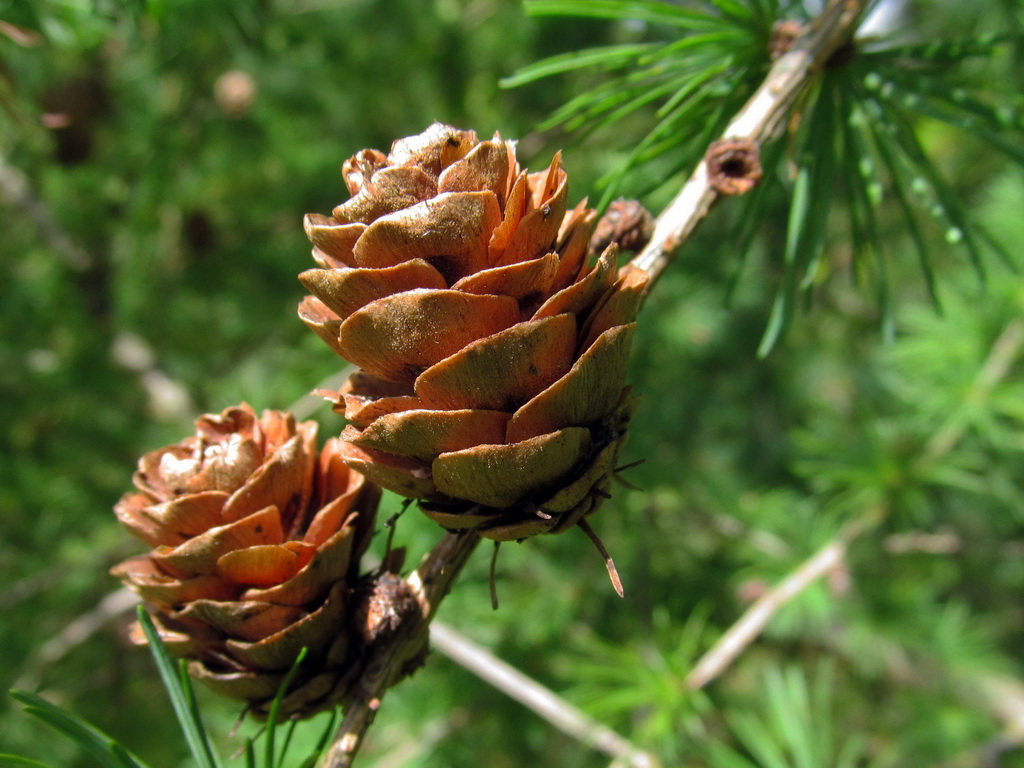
(257, 541)
(493, 356)
(626, 223)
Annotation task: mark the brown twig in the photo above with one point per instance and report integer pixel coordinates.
(430, 582)
(760, 120)
(536, 697)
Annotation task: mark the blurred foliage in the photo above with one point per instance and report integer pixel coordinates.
(152, 208)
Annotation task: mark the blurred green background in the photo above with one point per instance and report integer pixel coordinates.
(157, 159)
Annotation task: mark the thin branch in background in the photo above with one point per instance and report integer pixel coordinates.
(112, 606)
(28, 587)
(761, 119)
(1004, 696)
(741, 634)
(544, 702)
(944, 541)
(169, 399)
(1004, 352)
(16, 191)
(26, 38)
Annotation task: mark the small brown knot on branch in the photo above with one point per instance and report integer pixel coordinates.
(384, 601)
(784, 35)
(385, 605)
(626, 223)
(734, 166)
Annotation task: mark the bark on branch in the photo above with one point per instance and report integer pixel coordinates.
(761, 119)
(528, 692)
(430, 583)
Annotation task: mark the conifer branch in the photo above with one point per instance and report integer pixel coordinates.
(761, 119)
(390, 660)
(536, 697)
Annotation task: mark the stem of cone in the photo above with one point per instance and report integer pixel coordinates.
(430, 582)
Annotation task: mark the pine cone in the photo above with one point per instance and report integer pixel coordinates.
(493, 356)
(626, 223)
(257, 541)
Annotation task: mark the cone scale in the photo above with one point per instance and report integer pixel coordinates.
(492, 347)
(256, 540)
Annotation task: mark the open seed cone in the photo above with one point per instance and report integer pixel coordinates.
(493, 354)
(256, 542)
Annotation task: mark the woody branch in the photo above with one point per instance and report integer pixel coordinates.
(762, 118)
